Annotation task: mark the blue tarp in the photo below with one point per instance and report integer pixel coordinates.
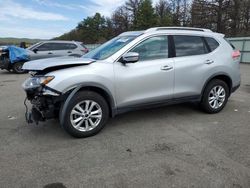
(17, 54)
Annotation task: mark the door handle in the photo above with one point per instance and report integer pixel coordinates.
(50, 53)
(208, 62)
(166, 67)
(69, 52)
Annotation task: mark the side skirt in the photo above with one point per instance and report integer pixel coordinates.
(156, 104)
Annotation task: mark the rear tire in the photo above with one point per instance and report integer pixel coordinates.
(80, 119)
(17, 68)
(215, 96)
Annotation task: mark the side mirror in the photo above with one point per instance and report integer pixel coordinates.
(35, 50)
(130, 57)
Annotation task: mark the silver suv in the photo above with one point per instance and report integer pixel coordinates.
(56, 48)
(134, 70)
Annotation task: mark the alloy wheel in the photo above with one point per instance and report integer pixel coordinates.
(86, 115)
(216, 97)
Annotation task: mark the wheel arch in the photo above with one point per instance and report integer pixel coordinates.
(98, 88)
(220, 76)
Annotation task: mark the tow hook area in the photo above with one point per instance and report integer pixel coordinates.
(33, 115)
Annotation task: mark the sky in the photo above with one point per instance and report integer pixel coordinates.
(45, 19)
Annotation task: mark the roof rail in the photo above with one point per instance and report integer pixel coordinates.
(177, 28)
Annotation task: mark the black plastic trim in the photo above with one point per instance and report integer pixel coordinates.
(171, 46)
(213, 76)
(79, 87)
(195, 98)
(235, 88)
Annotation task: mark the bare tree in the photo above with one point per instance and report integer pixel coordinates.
(120, 20)
(132, 7)
(163, 12)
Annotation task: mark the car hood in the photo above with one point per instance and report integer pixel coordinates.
(67, 61)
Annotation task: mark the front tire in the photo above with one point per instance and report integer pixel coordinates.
(17, 68)
(85, 115)
(215, 96)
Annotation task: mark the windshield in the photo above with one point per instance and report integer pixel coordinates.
(33, 46)
(109, 48)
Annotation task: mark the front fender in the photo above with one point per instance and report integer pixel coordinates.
(78, 88)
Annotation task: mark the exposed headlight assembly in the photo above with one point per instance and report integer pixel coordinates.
(37, 81)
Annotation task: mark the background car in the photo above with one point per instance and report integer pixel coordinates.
(44, 49)
(2, 49)
(47, 49)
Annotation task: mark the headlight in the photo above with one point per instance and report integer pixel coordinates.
(37, 81)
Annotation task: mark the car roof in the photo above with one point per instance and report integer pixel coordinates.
(61, 41)
(173, 30)
(177, 28)
(132, 33)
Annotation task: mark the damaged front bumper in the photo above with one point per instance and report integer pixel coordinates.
(45, 103)
(42, 108)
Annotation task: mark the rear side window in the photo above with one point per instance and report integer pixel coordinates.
(189, 45)
(67, 46)
(212, 43)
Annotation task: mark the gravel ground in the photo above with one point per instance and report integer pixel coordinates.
(174, 146)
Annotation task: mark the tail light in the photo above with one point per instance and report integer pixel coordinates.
(236, 54)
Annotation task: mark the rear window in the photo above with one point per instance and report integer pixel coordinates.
(212, 43)
(229, 43)
(189, 45)
(83, 46)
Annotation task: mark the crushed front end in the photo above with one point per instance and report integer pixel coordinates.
(45, 101)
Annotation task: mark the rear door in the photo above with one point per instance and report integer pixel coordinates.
(150, 79)
(193, 63)
(65, 49)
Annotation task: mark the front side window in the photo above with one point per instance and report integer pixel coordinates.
(45, 47)
(152, 48)
(189, 45)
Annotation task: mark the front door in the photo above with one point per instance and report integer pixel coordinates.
(149, 80)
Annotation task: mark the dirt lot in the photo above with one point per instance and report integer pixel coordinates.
(174, 146)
